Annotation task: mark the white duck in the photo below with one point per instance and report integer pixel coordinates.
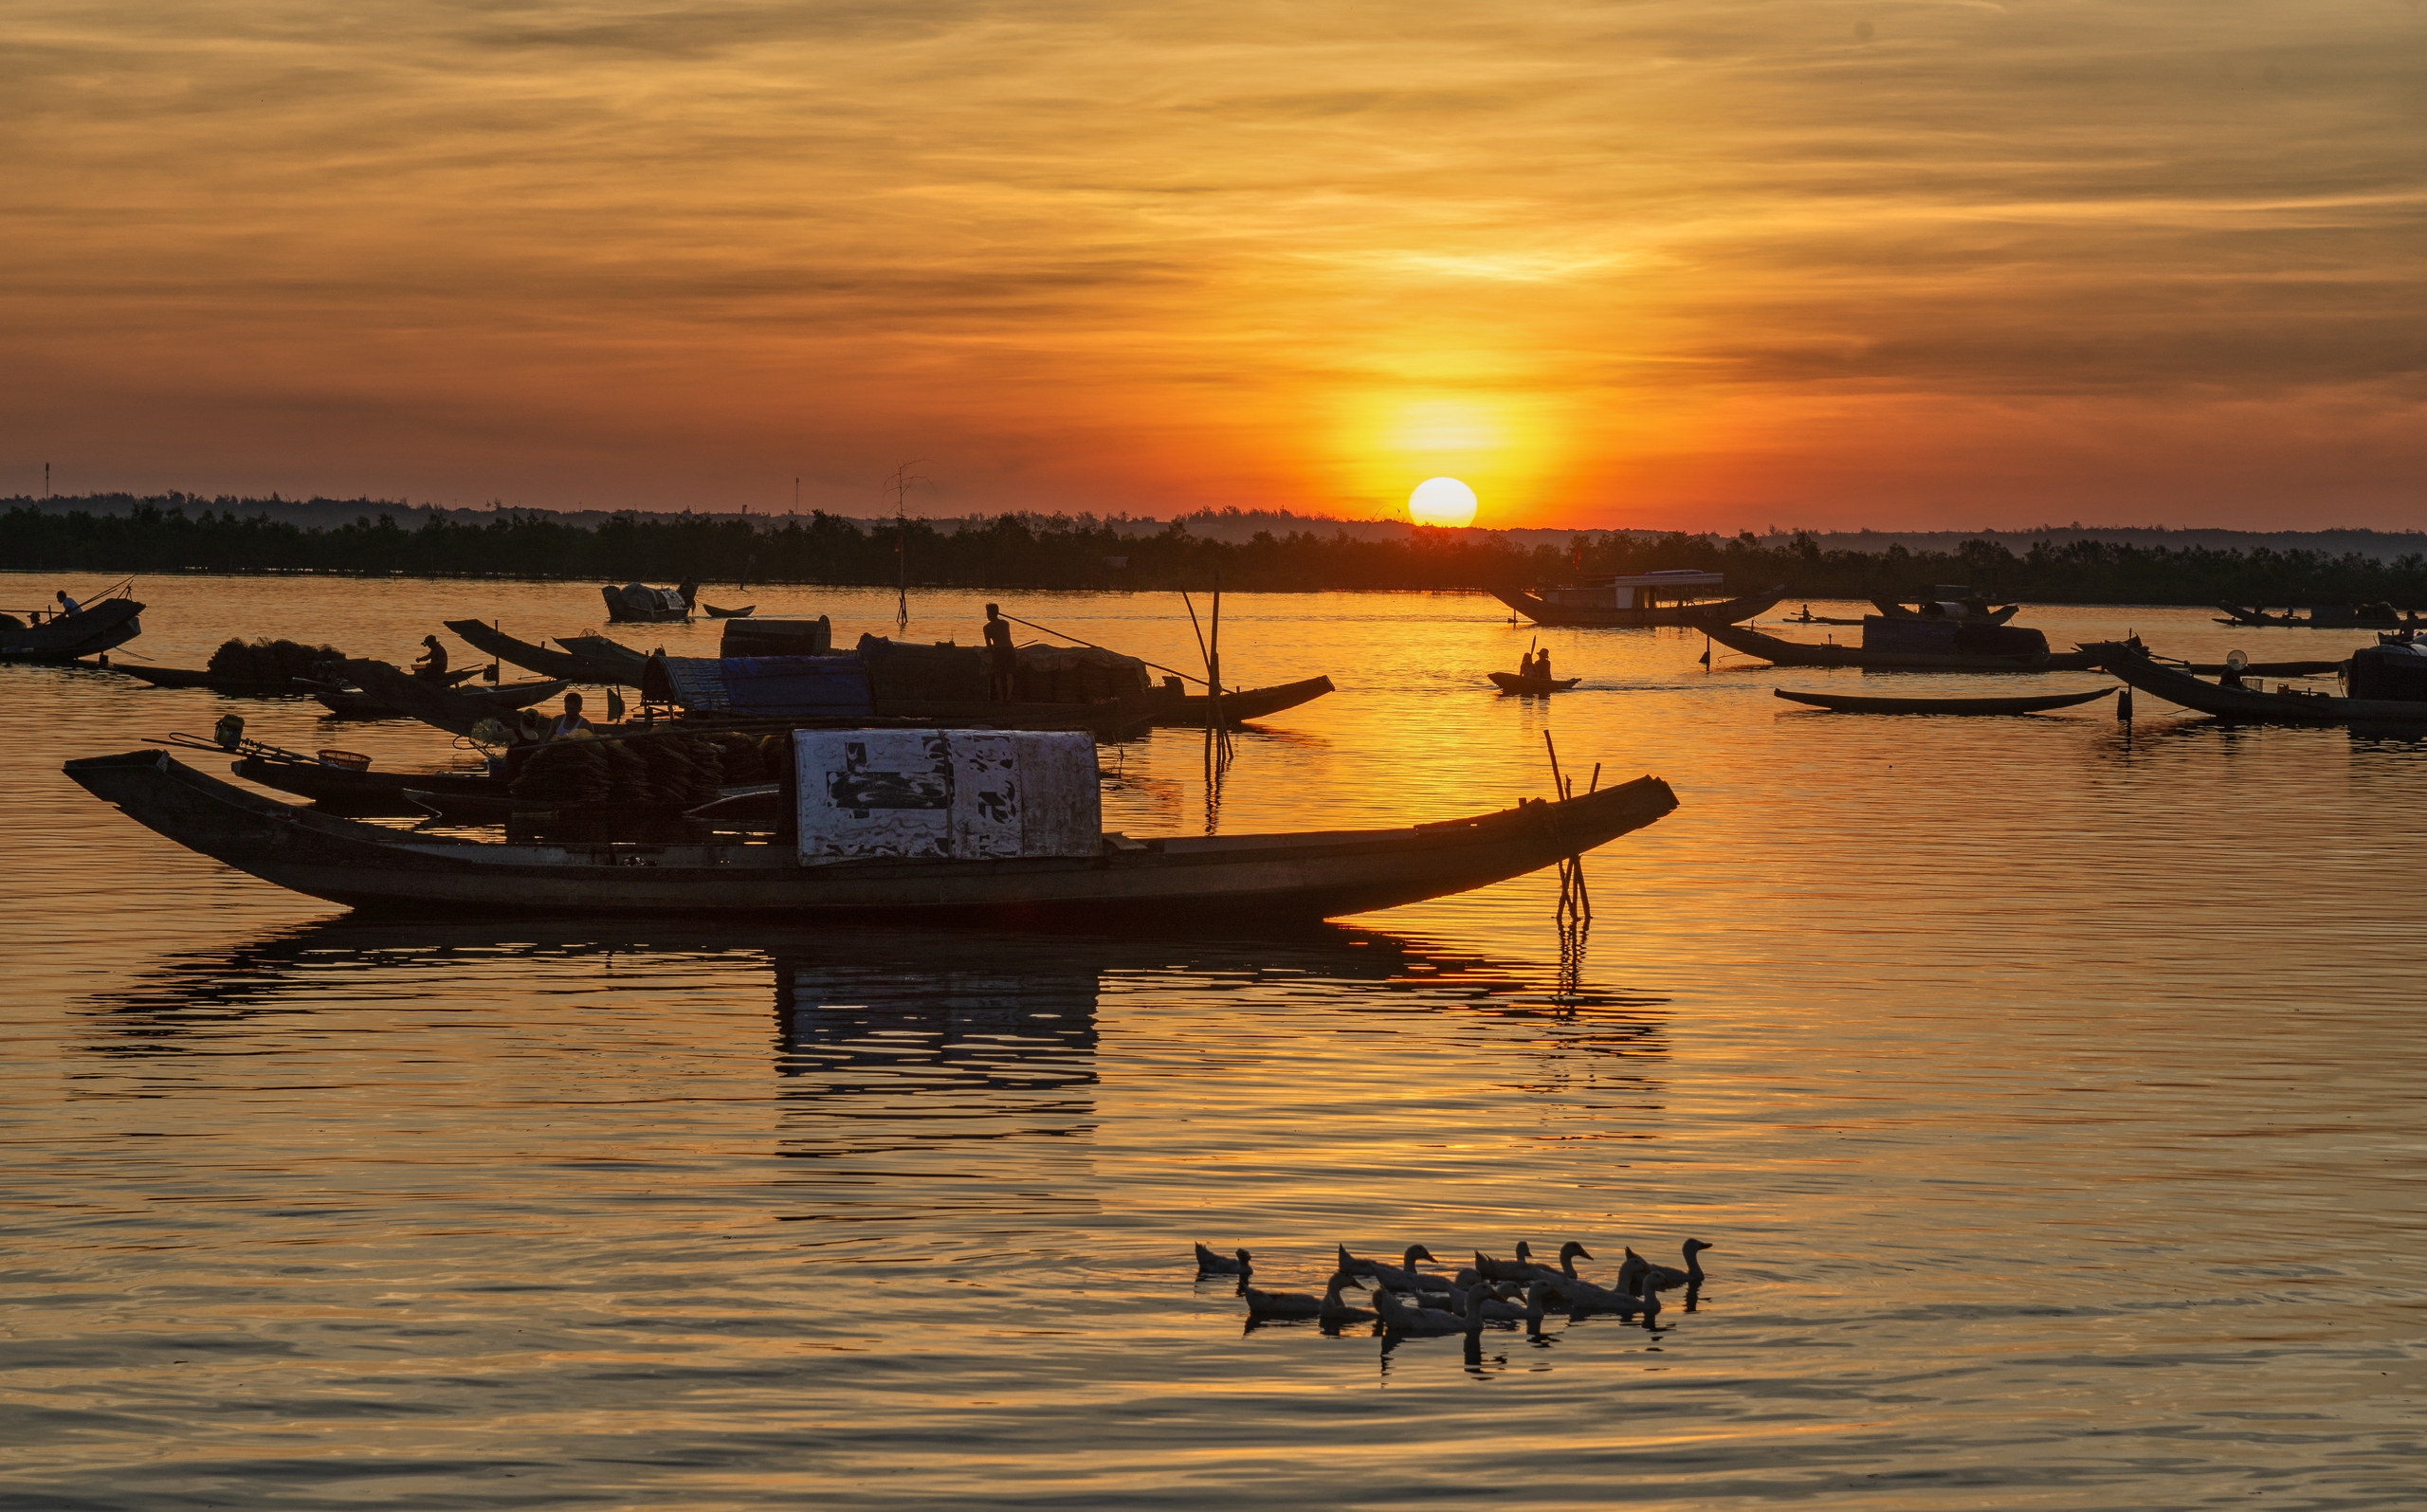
(1210, 1264)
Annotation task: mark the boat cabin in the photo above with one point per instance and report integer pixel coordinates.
(1638, 590)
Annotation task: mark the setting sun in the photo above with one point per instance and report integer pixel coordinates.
(1442, 502)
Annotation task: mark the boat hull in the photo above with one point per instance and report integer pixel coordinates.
(1890, 609)
(2135, 665)
(1799, 653)
(388, 693)
(1180, 881)
(1719, 612)
(1855, 703)
(1241, 704)
(108, 624)
(1511, 682)
(592, 664)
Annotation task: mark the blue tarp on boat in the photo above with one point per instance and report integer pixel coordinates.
(796, 685)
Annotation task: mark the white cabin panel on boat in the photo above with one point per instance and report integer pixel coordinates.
(946, 794)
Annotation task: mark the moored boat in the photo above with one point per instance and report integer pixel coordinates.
(743, 612)
(639, 604)
(1238, 704)
(1965, 605)
(248, 687)
(1635, 600)
(1179, 881)
(2380, 616)
(389, 693)
(1914, 645)
(1859, 703)
(597, 660)
(2132, 663)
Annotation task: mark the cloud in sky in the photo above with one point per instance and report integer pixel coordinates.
(1648, 264)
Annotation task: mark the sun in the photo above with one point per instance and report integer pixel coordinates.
(1442, 502)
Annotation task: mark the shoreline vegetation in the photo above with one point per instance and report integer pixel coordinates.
(120, 535)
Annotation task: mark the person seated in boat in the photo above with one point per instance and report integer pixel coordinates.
(68, 608)
(432, 664)
(2231, 678)
(569, 725)
(1542, 664)
(1002, 659)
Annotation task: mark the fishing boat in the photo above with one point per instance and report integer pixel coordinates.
(639, 604)
(2388, 695)
(349, 789)
(1239, 706)
(246, 687)
(591, 659)
(1856, 704)
(1807, 617)
(741, 613)
(1963, 606)
(1636, 600)
(1188, 878)
(47, 635)
(2323, 617)
(388, 693)
(1914, 645)
(1511, 682)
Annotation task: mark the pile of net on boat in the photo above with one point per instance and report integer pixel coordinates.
(1078, 674)
(268, 661)
(651, 771)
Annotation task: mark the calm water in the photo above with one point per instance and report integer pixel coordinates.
(2051, 1094)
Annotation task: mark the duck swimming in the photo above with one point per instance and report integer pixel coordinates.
(1666, 1276)
(1398, 1318)
(1403, 1277)
(1297, 1304)
(1210, 1264)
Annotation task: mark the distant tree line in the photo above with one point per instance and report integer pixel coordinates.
(1057, 552)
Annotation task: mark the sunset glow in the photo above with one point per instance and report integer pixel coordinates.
(1670, 264)
(1442, 502)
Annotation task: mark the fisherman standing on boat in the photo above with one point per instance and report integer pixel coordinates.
(432, 665)
(570, 724)
(1002, 661)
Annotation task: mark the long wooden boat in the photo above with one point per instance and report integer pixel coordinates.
(246, 687)
(597, 660)
(1241, 704)
(1179, 880)
(99, 626)
(389, 693)
(1511, 682)
(2134, 664)
(2268, 669)
(1113, 720)
(1890, 609)
(347, 791)
(1720, 611)
(1856, 704)
(1807, 617)
(1803, 653)
(2323, 617)
(741, 613)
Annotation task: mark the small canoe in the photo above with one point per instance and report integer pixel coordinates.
(1511, 682)
(2268, 669)
(741, 613)
(597, 660)
(1855, 703)
(245, 687)
(1782, 652)
(389, 693)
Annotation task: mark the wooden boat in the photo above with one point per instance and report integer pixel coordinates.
(1240, 704)
(1807, 617)
(741, 613)
(1852, 703)
(2324, 617)
(1546, 608)
(389, 693)
(638, 603)
(1113, 720)
(1511, 682)
(350, 791)
(53, 637)
(2133, 664)
(245, 687)
(2267, 668)
(1890, 609)
(1190, 878)
(597, 660)
(1801, 653)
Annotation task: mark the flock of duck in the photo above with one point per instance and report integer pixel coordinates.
(1410, 1301)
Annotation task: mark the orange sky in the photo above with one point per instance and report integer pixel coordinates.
(1705, 265)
